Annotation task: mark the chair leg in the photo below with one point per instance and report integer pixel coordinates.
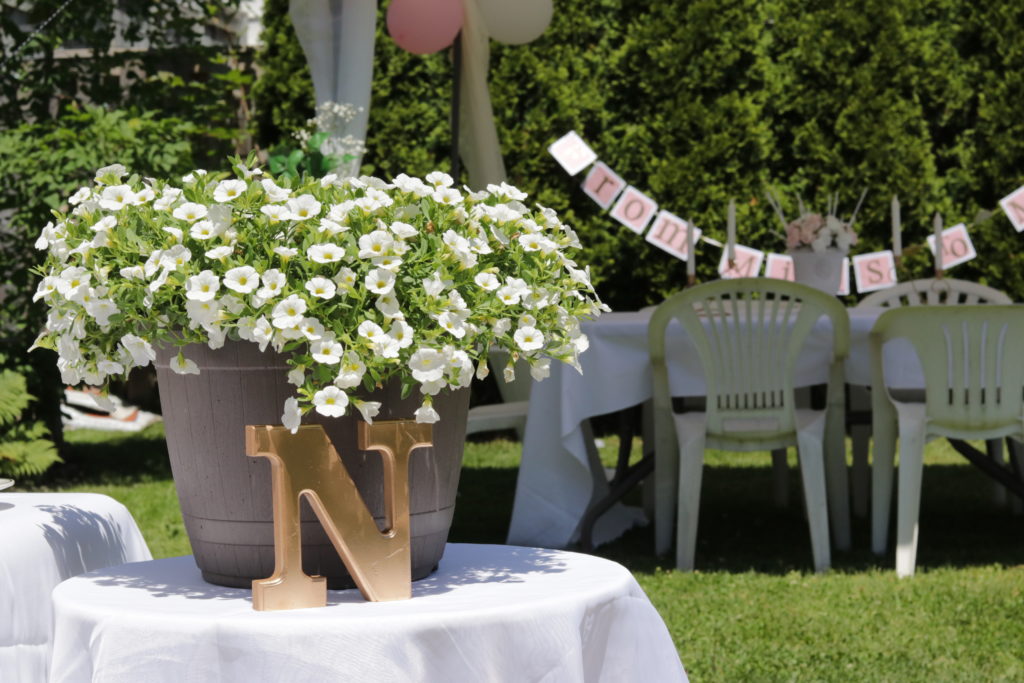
(812, 469)
(860, 437)
(691, 469)
(780, 472)
(994, 450)
(909, 499)
(882, 464)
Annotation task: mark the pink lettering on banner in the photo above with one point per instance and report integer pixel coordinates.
(780, 267)
(746, 264)
(844, 281)
(603, 185)
(957, 247)
(572, 153)
(1013, 205)
(634, 209)
(874, 271)
(668, 233)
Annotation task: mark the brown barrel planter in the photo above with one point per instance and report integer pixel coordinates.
(225, 495)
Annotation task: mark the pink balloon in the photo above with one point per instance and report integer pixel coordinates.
(424, 26)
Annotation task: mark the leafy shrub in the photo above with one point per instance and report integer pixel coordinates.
(699, 101)
(24, 446)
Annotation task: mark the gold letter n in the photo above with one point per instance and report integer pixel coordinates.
(306, 463)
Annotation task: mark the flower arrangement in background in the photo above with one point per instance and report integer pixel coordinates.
(356, 281)
(817, 232)
(324, 145)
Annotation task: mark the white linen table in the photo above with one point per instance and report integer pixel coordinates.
(46, 538)
(557, 481)
(490, 613)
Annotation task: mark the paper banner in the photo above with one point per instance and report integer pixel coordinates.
(603, 185)
(747, 263)
(780, 267)
(956, 246)
(873, 271)
(1013, 205)
(634, 209)
(572, 153)
(669, 234)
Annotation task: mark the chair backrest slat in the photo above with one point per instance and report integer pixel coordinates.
(966, 359)
(748, 334)
(934, 292)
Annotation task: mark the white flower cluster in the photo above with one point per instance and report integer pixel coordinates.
(356, 281)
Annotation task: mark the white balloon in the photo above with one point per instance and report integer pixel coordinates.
(516, 21)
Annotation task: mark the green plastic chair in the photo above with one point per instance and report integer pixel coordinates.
(925, 292)
(974, 379)
(748, 334)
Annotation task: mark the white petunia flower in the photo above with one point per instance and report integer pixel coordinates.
(303, 207)
(330, 401)
(116, 197)
(262, 332)
(288, 313)
(370, 331)
(351, 372)
(346, 278)
(276, 212)
(453, 323)
(380, 281)
(297, 376)
(328, 352)
(274, 193)
(388, 306)
(368, 409)
(331, 228)
(218, 253)
(403, 230)
(427, 364)
(392, 263)
(376, 243)
(311, 329)
(508, 295)
(434, 285)
(140, 350)
(175, 257)
(292, 416)
(426, 414)
(82, 195)
(501, 326)
(184, 366)
(339, 212)
(286, 252)
(101, 310)
(401, 332)
(541, 369)
(321, 287)
(447, 196)
(203, 230)
(190, 211)
(439, 179)
(174, 232)
(229, 190)
(116, 170)
(487, 281)
(168, 197)
(529, 338)
(132, 273)
(273, 282)
(202, 287)
(243, 279)
(325, 253)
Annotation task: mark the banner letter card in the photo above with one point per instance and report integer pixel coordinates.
(669, 234)
(603, 185)
(306, 464)
(747, 263)
(572, 153)
(780, 267)
(634, 209)
(1013, 205)
(957, 247)
(874, 271)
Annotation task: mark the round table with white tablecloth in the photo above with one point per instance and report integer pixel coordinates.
(44, 539)
(490, 613)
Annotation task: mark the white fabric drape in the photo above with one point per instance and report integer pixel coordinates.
(490, 613)
(46, 538)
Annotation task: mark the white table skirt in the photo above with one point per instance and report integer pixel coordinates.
(490, 613)
(556, 481)
(46, 538)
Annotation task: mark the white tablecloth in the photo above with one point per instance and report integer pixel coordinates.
(556, 481)
(490, 613)
(44, 539)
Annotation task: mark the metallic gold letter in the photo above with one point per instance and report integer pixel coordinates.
(305, 463)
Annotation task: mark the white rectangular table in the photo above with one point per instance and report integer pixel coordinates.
(558, 480)
(46, 538)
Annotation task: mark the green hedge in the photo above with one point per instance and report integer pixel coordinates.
(699, 101)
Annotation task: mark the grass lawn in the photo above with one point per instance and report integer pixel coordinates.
(754, 610)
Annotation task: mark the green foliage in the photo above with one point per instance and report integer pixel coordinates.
(700, 101)
(24, 446)
(292, 162)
